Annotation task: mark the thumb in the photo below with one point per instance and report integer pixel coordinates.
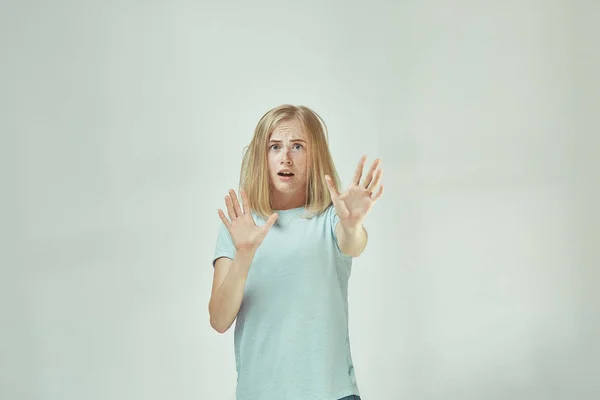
(331, 186)
(270, 221)
(335, 196)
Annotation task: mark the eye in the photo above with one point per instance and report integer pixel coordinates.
(298, 146)
(274, 146)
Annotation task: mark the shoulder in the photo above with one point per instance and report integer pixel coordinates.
(327, 212)
(331, 215)
(328, 218)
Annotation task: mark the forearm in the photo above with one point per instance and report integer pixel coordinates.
(353, 241)
(225, 303)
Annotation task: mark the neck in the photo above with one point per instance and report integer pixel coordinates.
(281, 201)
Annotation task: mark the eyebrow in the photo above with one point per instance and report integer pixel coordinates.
(291, 140)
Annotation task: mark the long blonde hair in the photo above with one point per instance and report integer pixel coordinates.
(254, 174)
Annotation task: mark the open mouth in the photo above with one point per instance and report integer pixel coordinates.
(286, 174)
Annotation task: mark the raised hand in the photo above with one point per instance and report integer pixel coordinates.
(246, 235)
(353, 205)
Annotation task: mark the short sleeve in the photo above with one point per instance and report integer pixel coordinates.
(333, 220)
(224, 246)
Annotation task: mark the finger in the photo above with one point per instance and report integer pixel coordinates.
(270, 221)
(245, 202)
(331, 186)
(236, 203)
(359, 170)
(268, 224)
(223, 218)
(375, 180)
(230, 210)
(378, 194)
(370, 174)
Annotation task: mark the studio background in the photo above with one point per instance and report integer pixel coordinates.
(123, 125)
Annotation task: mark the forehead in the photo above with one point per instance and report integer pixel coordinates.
(288, 130)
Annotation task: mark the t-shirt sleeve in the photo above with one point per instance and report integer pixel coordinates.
(333, 221)
(224, 246)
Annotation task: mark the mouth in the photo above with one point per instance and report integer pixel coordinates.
(285, 176)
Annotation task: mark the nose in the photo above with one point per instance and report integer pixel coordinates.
(285, 158)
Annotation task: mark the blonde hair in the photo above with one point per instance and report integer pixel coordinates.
(254, 175)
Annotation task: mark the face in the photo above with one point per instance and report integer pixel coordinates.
(287, 156)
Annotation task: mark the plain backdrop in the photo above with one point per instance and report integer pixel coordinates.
(123, 125)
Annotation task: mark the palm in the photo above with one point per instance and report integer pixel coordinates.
(353, 205)
(244, 232)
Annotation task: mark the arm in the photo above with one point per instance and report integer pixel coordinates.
(228, 289)
(230, 275)
(352, 242)
(352, 207)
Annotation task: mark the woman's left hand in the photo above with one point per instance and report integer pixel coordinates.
(354, 204)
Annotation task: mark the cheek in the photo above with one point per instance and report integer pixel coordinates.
(302, 163)
(272, 163)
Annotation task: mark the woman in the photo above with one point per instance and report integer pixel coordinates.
(283, 260)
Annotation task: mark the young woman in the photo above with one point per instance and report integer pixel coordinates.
(283, 260)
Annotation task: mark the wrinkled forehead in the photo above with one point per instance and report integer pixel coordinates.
(289, 130)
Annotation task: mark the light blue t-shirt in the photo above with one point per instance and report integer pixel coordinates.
(291, 332)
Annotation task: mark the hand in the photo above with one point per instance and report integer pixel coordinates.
(354, 204)
(246, 235)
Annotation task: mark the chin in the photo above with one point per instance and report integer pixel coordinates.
(288, 189)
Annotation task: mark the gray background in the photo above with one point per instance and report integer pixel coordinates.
(123, 125)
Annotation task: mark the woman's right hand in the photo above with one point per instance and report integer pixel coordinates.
(246, 235)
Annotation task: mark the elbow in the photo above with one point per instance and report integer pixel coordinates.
(354, 254)
(349, 251)
(217, 323)
(218, 328)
